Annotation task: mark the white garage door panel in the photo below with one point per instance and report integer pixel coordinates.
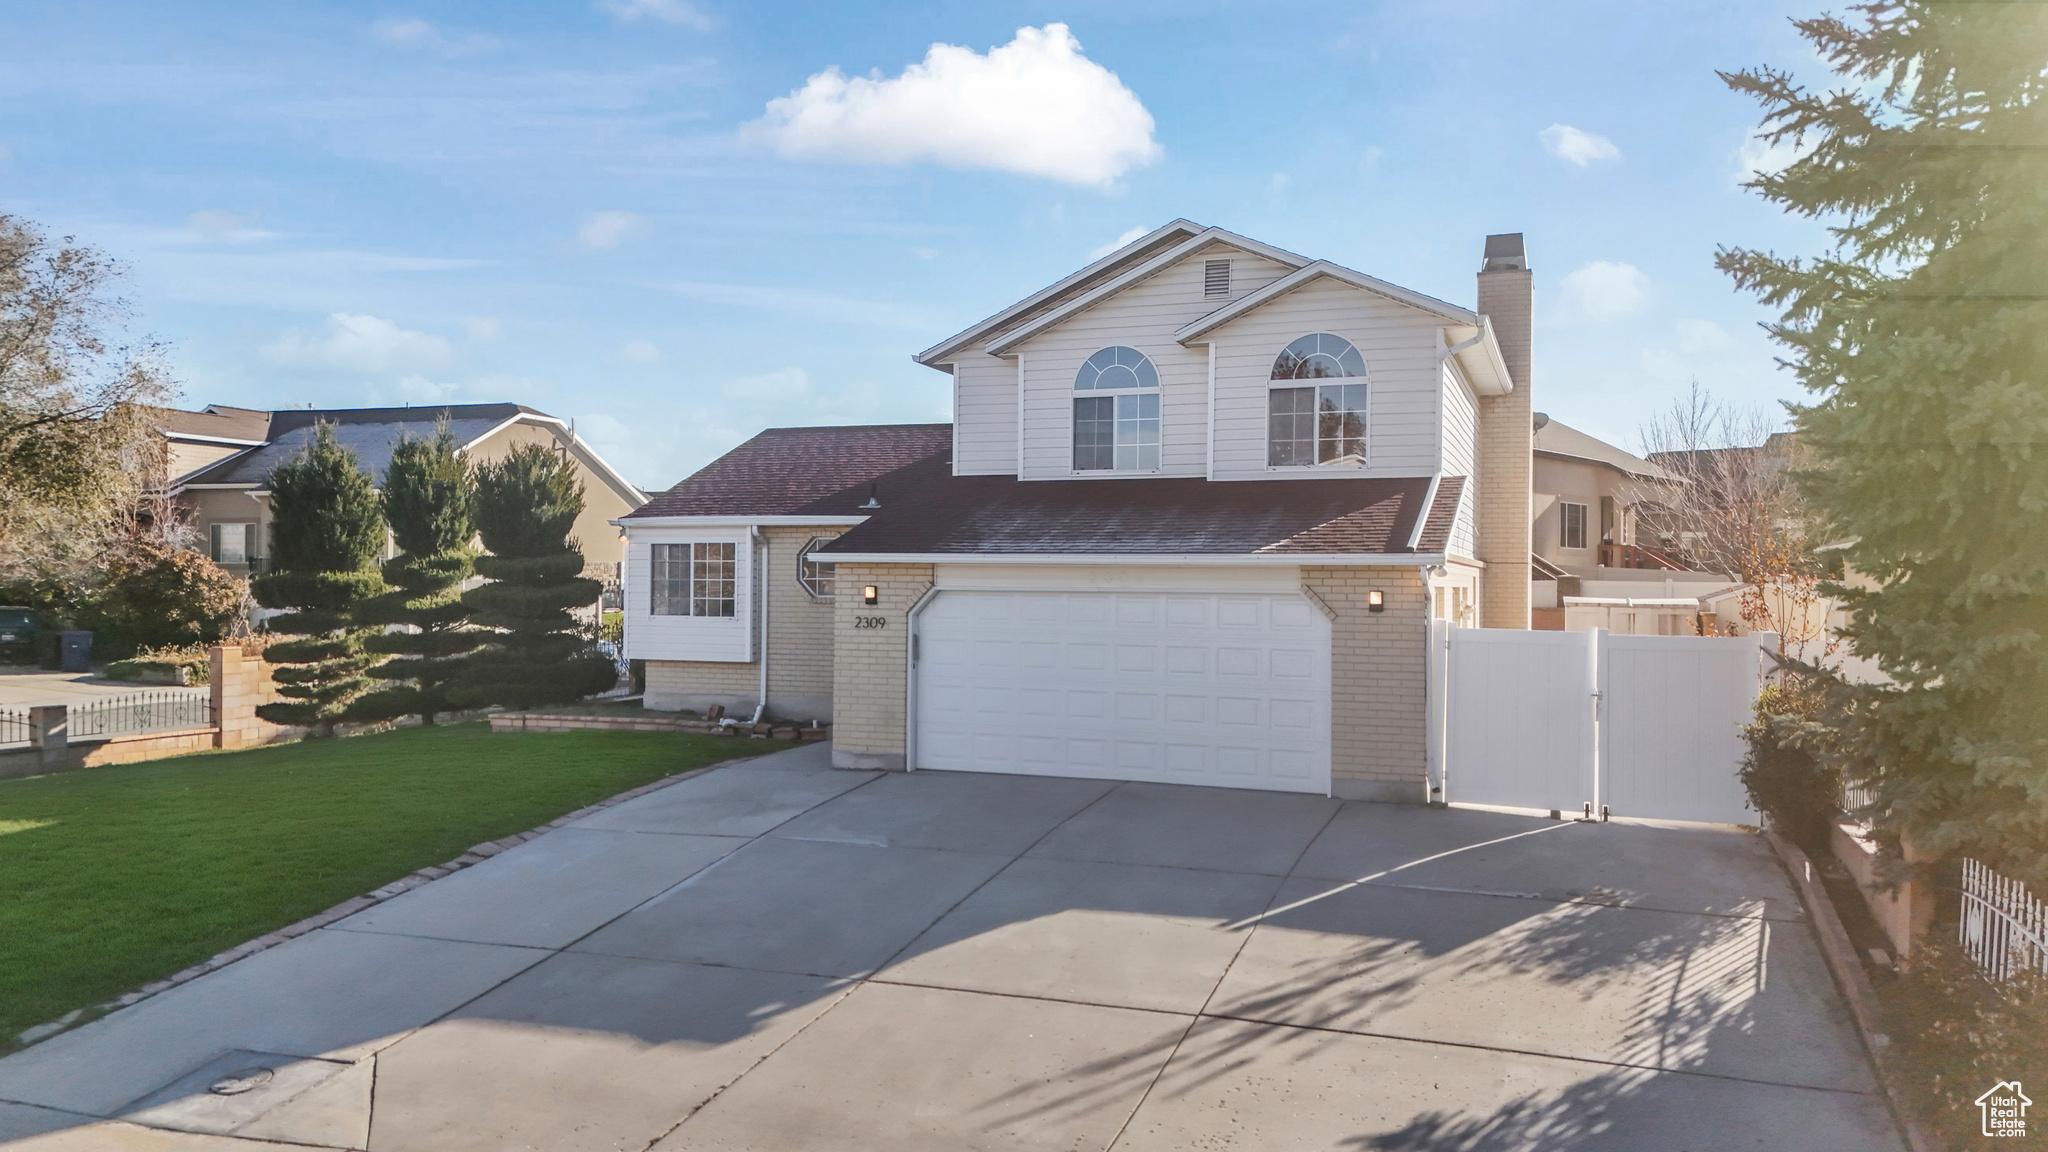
(1227, 689)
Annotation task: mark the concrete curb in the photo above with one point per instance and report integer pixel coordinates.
(349, 907)
(1854, 983)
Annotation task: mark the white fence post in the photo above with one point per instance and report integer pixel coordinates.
(1436, 695)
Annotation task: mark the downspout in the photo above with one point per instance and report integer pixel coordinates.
(761, 581)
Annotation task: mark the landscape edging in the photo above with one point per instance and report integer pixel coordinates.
(477, 854)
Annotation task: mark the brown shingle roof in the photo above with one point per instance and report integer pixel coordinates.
(216, 422)
(799, 471)
(927, 510)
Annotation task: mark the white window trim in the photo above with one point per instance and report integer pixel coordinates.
(803, 557)
(1585, 530)
(1364, 459)
(1158, 390)
(690, 579)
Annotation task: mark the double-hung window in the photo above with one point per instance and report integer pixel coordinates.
(1571, 525)
(692, 579)
(1116, 413)
(1319, 423)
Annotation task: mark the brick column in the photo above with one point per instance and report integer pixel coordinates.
(1507, 298)
(870, 665)
(1378, 727)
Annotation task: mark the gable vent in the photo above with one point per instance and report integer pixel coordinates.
(1216, 278)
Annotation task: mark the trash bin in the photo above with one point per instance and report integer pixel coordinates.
(74, 651)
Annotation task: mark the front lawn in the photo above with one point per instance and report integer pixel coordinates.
(113, 877)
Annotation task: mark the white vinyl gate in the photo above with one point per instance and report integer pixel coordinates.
(1644, 726)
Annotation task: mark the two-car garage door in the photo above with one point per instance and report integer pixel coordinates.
(1228, 689)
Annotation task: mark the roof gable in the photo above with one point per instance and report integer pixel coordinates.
(1041, 301)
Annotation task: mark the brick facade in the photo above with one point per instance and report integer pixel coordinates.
(1377, 711)
(1505, 462)
(869, 712)
(238, 683)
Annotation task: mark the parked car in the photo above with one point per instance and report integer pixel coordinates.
(17, 632)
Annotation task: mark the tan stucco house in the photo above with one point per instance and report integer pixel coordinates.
(1590, 568)
(1196, 505)
(221, 457)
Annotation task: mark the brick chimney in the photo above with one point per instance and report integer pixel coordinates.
(1507, 295)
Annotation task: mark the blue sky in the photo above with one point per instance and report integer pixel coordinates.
(594, 209)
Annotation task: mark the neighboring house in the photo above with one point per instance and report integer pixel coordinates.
(1197, 503)
(221, 460)
(1589, 569)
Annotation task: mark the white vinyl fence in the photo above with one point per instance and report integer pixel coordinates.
(1594, 723)
(2004, 928)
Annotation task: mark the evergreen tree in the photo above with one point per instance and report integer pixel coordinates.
(429, 500)
(326, 530)
(526, 505)
(1923, 333)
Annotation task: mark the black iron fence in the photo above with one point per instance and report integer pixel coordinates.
(141, 712)
(13, 726)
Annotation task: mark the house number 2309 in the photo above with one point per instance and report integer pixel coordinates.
(870, 621)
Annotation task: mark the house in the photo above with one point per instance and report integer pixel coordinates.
(1591, 568)
(221, 457)
(1196, 504)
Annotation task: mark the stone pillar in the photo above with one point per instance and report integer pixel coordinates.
(1507, 299)
(49, 728)
(870, 663)
(239, 682)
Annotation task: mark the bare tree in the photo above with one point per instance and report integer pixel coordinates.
(80, 459)
(1735, 509)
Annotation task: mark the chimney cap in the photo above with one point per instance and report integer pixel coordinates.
(1504, 253)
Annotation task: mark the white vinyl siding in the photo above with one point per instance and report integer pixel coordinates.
(651, 636)
(1460, 423)
(984, 415)
(1399, 345)
(1143, 316)
(1464, 528)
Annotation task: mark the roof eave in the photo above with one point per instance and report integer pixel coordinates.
(938, 353)
(1171, 256)
(1316, 270)
(1160, 559)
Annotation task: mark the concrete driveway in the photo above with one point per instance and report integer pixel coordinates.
(783, 957)
(25, 687)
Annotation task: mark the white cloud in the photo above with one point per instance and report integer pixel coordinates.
(606, 229)
(680, 12)
(1373, 155)
(1568, 143)
(1703, 337)
(416, 388)
(1604, 291)
(226, 227)
(352, 342)
(484, 329)
(1119, 242)
(1277, 183)
(923, 253)
(640, 352)
(418, 34)
(1035, 106)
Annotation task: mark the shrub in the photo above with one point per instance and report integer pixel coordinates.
(1790, 778)
(157, 596)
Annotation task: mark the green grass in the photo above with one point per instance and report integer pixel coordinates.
(113, 877)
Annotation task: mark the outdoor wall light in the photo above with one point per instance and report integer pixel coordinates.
(1375, 601)
(867, 594)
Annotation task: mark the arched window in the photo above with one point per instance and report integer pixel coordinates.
(1315, 424)
(1116, 420)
